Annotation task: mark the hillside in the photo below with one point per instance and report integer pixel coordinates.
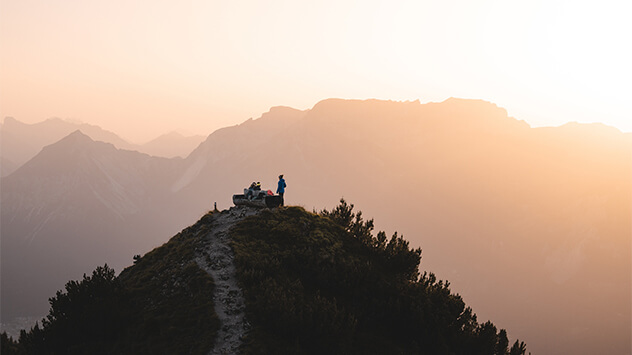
(312, 284)
(515, 217)
(76, 203)
(487, 196)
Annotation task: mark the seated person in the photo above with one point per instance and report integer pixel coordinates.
(250, 192)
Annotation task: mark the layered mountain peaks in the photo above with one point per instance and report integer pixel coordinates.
(20, 141)
(496, 205)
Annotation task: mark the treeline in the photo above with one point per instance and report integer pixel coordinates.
(323, 283)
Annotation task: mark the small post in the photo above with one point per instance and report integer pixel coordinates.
(215, 207)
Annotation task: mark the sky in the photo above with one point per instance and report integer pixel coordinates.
(143, 68)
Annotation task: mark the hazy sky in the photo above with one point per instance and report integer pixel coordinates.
(142, 68)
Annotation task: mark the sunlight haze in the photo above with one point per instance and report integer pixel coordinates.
(496, 136)
(143, 68)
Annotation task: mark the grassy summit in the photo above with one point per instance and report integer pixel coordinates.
(313, 284)
(323, 284)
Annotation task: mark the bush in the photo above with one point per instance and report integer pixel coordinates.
(323, 283)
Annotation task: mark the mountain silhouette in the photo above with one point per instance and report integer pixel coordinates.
(517, 218)
(171, 145)
(20, 141)
(247, 280)
(75, 203)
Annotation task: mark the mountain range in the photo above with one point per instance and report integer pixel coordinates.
(20, 141)
(530, 225)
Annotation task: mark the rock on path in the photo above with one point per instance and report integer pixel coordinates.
(217, 259)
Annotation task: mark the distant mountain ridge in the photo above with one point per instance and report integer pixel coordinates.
(20, 141)
(485, 195)
(171, 145)
(75, 200)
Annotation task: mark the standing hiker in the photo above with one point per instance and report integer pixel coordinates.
(281, 188)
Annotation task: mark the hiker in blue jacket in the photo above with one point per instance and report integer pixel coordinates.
(281, 188)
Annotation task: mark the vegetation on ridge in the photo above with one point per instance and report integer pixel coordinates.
(161, 305)
(319, 285)
(314, 283)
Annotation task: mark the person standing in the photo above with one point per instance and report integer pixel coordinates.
(281, 188)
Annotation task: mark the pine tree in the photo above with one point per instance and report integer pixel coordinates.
(518, 348)
(502, 347)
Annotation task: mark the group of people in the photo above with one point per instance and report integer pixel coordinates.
(255, 189)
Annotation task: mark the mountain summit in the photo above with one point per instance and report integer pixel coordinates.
(518, 218)
(76, 202)
(20, 142)
(267, 281)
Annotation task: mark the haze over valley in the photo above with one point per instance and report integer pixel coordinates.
(496, 136)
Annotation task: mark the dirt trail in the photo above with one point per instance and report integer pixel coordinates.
(217, 259)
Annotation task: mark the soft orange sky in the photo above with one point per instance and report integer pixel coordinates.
(143, 68)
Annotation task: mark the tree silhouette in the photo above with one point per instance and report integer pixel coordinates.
(518, 348)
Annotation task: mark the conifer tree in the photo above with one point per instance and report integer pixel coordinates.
(518, 348)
